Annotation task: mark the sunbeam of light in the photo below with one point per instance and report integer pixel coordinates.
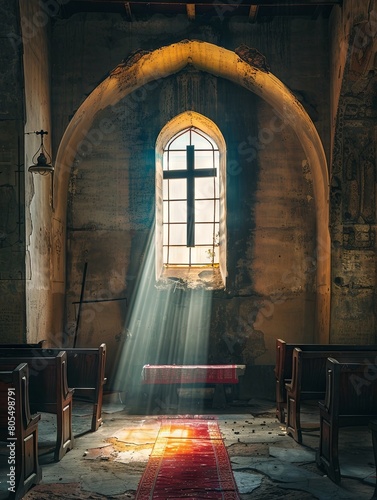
(166, 324)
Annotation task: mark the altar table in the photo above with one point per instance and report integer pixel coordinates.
(179, 375)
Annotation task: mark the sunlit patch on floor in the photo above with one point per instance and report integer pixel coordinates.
(101, 453)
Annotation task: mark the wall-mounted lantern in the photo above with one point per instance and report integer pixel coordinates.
(42, 162)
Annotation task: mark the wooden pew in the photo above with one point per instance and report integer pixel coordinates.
(85, 373)
(21, 346)
(15, 419)
(350, 400)
(283, 366)
(49, 392)
(309, 381)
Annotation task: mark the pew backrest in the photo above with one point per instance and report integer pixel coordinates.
(19, 428)
(309, 378)
(85, 372)
(85, 366)
(49, 392)
(14, 398)
(351, 390)
(309, 367)
(284, 354)
(47, 376)
(21, 346)
(350, 400)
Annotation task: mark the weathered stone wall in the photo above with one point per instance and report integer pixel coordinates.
(270, 203)
(271, 223)
(38, 214)
(354, 178)
(25, 215)
(111, 212)
(12, 198)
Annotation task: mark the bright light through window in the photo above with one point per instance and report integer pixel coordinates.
(191, 200)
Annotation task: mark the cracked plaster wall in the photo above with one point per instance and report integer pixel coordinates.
(39, 307)
(12, 199)
(271, 215)
(84, 49)
(353, 180)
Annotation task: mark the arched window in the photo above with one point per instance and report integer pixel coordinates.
(190, 200)
(190, 196)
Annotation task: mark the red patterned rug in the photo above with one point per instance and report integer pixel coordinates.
(188, 460)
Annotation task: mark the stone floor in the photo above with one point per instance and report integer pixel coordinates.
(267, 464)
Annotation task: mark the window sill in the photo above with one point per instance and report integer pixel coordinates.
(204, 278)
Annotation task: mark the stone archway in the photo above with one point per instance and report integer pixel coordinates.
(143, 68)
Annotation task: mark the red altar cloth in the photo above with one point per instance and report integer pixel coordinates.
(191, 374)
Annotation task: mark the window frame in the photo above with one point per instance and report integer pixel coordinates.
(169, 131)
(192, 135)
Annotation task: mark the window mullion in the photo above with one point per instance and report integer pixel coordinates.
(204, 199)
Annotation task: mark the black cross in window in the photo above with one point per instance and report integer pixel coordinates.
(190, 174)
